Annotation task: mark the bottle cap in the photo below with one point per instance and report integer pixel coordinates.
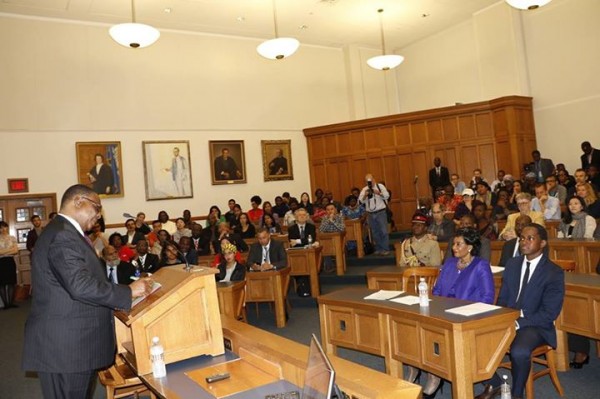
(505, 377)
(422, 279)
(155, 340)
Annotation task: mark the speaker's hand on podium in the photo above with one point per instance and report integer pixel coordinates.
(141, 287)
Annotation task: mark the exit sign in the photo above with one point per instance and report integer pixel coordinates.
(18, 185)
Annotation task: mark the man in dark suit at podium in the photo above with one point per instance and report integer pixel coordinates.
(534, 285)
(266, 254)
(69, 333)
(438, 176)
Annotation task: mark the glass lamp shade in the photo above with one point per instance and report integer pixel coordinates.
(385, 62)
(134, 35)
(527, 4)
(276, 49)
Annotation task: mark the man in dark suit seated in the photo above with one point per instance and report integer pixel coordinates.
(534, 285)
(132, 236)
(148, 262)
(70, 332)
(266, 254)
(186, 248)
(299, 232)
(116, 270)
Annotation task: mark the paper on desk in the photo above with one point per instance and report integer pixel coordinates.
(407, 300)
(155, 286)
(472, 309)
(496, 269)
(383, 295)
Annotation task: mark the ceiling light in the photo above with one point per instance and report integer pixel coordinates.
(134, 35)
(280, 47)
(527, 4)
(385, 61)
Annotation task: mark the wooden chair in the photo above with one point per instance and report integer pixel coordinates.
(550, 368)
(120, 381)
(240, 310)
(566, 265)
(415, 273)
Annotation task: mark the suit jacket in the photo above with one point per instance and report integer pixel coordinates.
(542, 298)
(136, 237)
(150, 264)
(442, 180)
(124, 272)
(309, 230)
(104, 179)
(595, 159)
(70, 327)
(239, 272)
(508, 249)
(32, 237)
(546, 166)
(277, 254)
(536, 217)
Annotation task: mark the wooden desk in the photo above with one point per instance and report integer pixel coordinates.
(281, 355)
(354, 232)
(271, 286)
(580, 312)
(306, 262)
(334, 244)
(463, 350)
(230, 295)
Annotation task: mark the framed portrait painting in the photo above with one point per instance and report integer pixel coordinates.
(167, 170)
(228, 164)
(99, 166)
(277, 159)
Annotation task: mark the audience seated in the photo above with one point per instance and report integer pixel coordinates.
(170, 255)
(353, 210)
(486, 228)
(517, 188)
(188, 251)
(280, 207)
(329, 195)
(219, 256)
(96, 236)
(524, 204)
(319, 210)
(502, 209)
(468, 222)
(299, 232)
(230, 214)
(182, 230)
(587, 192)
(593, 177)
(215, 210)
(229, 268)
(289, 218)
(187, 219)
(225, 231)
(147, 262)
(499, 182)
(200, 243)
(117, 271)
(131, 237)
(268, 210)
(269, 223)
(441, 228)
(541, 167)
(449, 199)
(125, 253)
(245, 229)
(167, 224)
(466, 206)
(511, 249)
(477, 177)
(580, 176)
(544, 203)
(140, 224)
(420, 249)
(556, 190)
(576, 223)
(163, 237)
(152, 237)
(305, 203)
(458, 185)
(255, 213)
(266, 254)
(565, 180)
(484, 195)
(332, 222)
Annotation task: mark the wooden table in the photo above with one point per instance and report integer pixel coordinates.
(269, 286)
(463, 350)
(385, 278)
(354, 232)
(334, 244)
(306, 262)
(230, 294)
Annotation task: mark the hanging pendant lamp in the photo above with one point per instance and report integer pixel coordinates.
(385, 61)
(132, 34)
(280, 47)
(527, 4)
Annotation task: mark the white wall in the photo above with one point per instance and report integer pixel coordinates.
(65, 82)
(550, 54)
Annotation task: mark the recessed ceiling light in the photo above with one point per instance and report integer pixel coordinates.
(302, 27)
(425, 15)
(241, 19)
(167, 10)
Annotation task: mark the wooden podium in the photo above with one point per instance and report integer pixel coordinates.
(306, 262)
(334, 244)
(183, 313)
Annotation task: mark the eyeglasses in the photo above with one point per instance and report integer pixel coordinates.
(523, 203)
(97, 206)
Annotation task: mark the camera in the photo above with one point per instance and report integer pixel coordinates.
(370, 184)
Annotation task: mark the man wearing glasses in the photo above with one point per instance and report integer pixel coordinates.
(69, 333)
(534, 285)
(524, 204)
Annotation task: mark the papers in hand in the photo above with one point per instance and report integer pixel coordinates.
(407, 300)
(496, 269)
(383, 295)
(139, 299)
(472, 309)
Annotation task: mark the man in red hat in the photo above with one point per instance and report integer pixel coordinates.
(420, 250)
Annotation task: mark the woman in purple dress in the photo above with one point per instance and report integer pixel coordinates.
(463, 276)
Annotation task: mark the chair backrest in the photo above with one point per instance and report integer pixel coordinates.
(415, 273)
(566, 265)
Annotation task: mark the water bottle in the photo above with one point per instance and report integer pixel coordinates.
(505, 388)
(157, 356)
(423, 293)
(138, 269)
(309, 240)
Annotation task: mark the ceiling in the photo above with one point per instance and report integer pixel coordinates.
(332, 23)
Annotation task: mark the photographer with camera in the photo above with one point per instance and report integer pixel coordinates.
(374, 196)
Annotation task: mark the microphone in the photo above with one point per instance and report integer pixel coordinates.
(128, 215)
(187, 267)
(416, 179)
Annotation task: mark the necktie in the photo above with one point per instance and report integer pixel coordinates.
(265, 255)
(523, 286)
(302, 232)
(111, 275)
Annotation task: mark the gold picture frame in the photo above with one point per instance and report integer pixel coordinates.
(277, 159)
(227, 162)
(167, 170)
(99, 166)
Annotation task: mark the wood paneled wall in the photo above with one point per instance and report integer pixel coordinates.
(490, 135)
